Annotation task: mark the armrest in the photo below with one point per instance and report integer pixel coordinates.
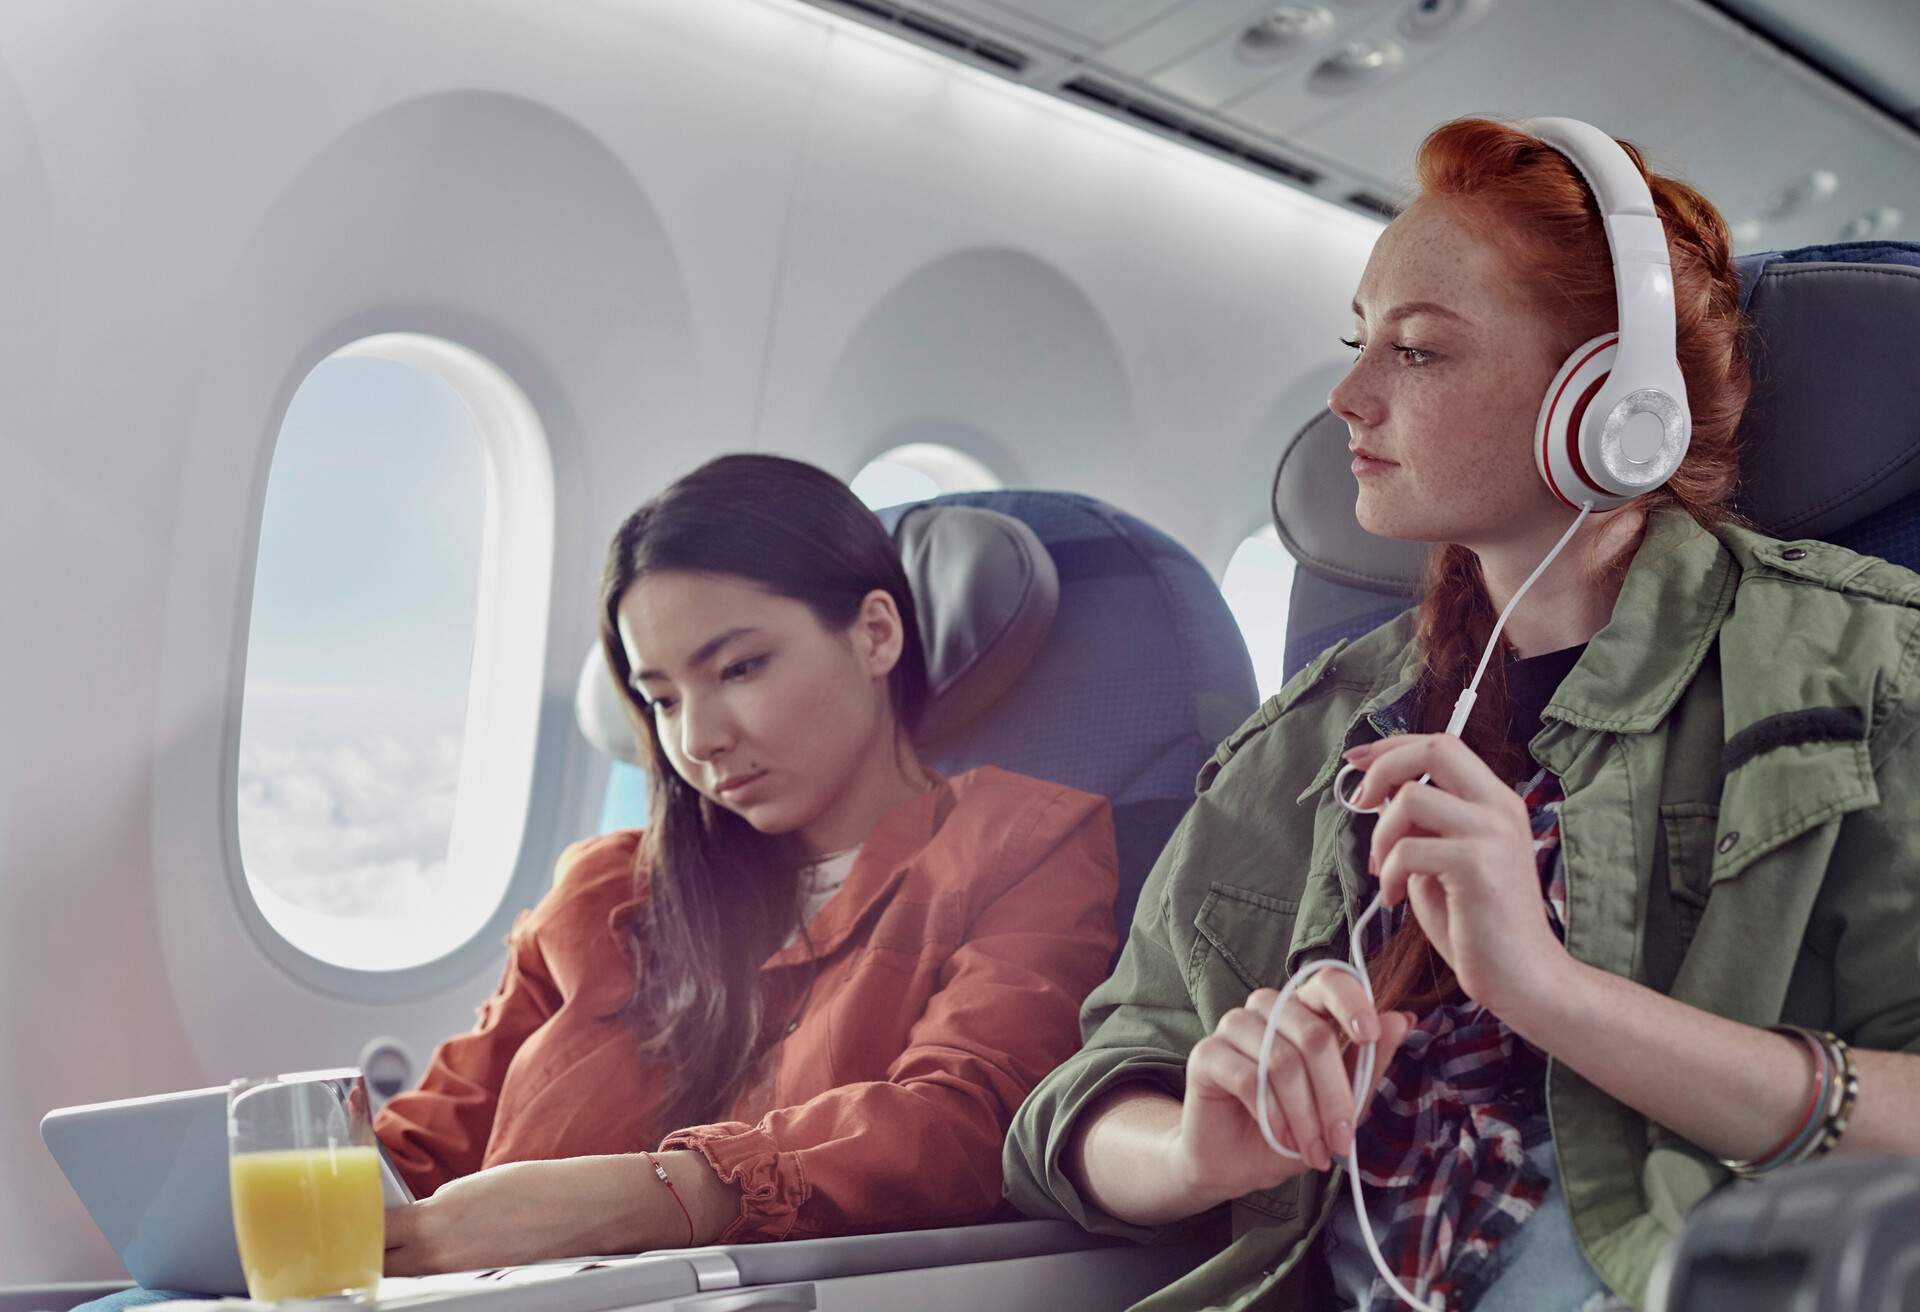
(909, 1250)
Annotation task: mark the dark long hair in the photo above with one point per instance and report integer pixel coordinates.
(1531, 201)
(716, 897)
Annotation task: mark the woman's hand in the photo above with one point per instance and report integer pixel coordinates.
(1462, 852)
(579, 1206)
(1218, 1151)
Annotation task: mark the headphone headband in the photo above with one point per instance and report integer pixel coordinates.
(1626, 435)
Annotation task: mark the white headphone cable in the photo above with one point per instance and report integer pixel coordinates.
(1356, 966)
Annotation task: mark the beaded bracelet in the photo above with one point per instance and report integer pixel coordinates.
(1846, 1094)
(667, 1180)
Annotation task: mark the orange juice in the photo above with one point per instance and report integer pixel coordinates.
(309, 1221)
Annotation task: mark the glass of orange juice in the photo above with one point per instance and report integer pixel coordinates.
(305, 1176)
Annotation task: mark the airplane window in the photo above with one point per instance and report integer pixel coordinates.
(917, 471)
(1258, 585)
(387, 721)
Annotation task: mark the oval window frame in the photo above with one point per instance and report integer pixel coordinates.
(506, 685)
(950, 468)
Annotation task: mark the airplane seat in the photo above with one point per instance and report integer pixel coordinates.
(1065, 640)
(1831, 451)
(1829, 446)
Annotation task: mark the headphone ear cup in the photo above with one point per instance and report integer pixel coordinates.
(1557, 445)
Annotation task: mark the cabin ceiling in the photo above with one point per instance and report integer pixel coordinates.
(1874, 45)
(1801, 122)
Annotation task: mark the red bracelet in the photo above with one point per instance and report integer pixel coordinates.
(1769, 1159)
(667, 1180)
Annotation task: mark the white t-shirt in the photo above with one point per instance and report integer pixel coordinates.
(820, 881)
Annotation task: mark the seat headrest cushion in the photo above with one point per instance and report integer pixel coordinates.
(1313, 510)
(985, 593)
(602, 712)
(1831, 432)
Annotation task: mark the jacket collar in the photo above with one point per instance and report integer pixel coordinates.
(1388, 709)
(1677, 593)
(1678, 590)
(885, 857)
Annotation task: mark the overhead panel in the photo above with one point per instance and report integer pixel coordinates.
(1190, 27)
(1099, 23)
(1640, 80)
(1281, 67)
(1874, 45)
(1334, 96)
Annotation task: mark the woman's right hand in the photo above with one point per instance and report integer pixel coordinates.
(1218, 1151)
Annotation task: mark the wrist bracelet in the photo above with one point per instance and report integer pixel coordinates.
(1805, 1135)
(1809, 1147)
(1846, 1094)
(667, 1180)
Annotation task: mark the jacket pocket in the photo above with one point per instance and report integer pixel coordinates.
(1781, 813)
(1775, 797)
(1248, 933)
(1243, 938)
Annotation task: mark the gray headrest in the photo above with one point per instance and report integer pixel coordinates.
(1313, 510)
(984, 591)
(1831, 434)
(601, 711)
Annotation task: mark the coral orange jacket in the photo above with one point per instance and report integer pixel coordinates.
(950, 971)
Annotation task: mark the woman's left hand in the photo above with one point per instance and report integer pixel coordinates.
(1462, 852)
(530, 1211)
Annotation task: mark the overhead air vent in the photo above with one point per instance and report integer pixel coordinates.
(1169, 122)
(938, 32)
(1372, 204)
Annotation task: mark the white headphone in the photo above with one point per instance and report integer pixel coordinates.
(1614, 424)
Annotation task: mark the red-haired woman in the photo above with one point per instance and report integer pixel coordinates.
(1597, 920)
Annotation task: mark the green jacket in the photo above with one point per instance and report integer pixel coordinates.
(1720, 846)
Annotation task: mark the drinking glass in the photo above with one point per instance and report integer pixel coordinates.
(305, 1176)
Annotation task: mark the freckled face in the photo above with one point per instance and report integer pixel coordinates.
(1452, 362)
(757, 705)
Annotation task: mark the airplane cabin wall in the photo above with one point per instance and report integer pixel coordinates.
(681, 228)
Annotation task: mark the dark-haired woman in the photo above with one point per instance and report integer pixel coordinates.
(1617, 962)
(807, 999)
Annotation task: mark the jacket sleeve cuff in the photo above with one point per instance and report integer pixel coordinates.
(1035, 1178)
(772, 1185)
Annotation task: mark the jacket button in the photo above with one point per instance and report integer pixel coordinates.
(1794, 553)
(1728, 839)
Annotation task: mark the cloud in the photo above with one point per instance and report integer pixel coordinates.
(350, 823)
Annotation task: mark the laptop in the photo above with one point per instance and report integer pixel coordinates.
(152, 1173)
